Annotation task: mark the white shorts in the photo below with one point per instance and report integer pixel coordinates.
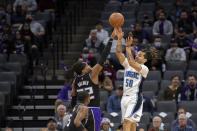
(131, 107)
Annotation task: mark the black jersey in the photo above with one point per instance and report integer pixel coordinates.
(84, 83)
(70, 125)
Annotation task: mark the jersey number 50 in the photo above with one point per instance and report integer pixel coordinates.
(129, 83)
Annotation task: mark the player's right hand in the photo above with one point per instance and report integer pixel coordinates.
(119, 33)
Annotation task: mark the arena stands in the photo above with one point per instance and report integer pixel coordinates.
(32, 76)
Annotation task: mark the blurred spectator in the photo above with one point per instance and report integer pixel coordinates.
(176, 122)
(137, 45)
(88, 57)
(105, 125)
(18, 17)
(146, 21)
(5, 44)
(194, 50)
(8, 129)
(158, 46)
(36, 28)
(157, 12)
(51, 125)
(162, 26)
(31, 45)
(19, 46)
(186, 23)
(61, 110)
(102, 34)
(9, 12)
(105, 82)
(157, 126)
(173, 90)
(176, 11)
(182, 126)
(175, 53)
(109, 70)
(147, 104)
(31, 5)
(64, 94)
(6, 29)
(93, 43)
(189, 92)
(141, 34)
(113, 104)
(182, 39)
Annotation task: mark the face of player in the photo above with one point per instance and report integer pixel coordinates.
(106, 126)
(192, 81)
(87, 69)
(140, 57)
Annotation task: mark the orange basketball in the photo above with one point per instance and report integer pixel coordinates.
(116, 19)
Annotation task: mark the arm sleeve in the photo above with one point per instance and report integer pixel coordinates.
(105, 52)
(144, 71)
(125, 63)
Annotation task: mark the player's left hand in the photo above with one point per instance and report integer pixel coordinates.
(129, 41)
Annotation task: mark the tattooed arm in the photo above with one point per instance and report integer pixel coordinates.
(119, 53)
(131, 60)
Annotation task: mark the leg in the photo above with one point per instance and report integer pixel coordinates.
(127, 125)
(133, 126)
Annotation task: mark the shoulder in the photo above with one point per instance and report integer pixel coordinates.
(83, 108)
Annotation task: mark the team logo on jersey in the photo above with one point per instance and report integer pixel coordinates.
(136, 116)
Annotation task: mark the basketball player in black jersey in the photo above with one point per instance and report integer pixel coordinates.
(78, 119)
(87, 80)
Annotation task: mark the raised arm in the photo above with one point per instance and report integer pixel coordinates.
(119, 53)
(99, 66)
(81, 114)
(130, 57)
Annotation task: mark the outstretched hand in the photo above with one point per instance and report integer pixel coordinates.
(117, 32)
(129, 41)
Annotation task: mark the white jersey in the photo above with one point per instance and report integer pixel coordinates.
(132, 78)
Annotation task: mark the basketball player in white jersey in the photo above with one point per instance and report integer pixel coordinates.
(131, 103)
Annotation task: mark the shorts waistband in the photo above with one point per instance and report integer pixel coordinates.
(93, 107)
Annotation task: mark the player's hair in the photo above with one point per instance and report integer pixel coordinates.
(151, 55)
(82, 96)
(78, 67)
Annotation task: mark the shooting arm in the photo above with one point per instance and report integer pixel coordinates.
(131, 60)
(119, 53)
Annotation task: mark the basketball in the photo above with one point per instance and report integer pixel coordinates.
(116, 19)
